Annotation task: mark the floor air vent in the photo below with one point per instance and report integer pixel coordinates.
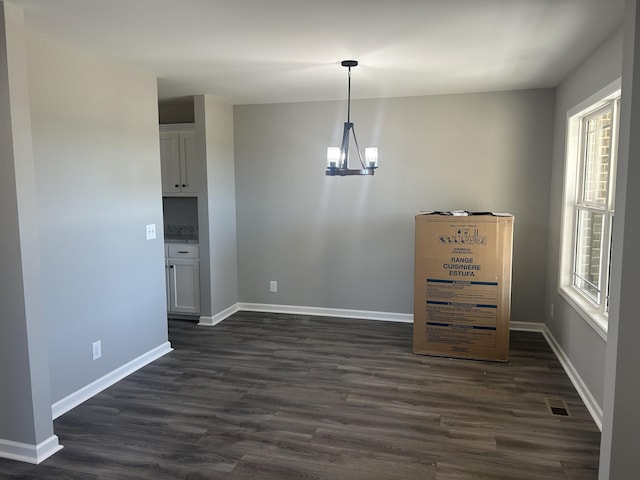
(557, 406)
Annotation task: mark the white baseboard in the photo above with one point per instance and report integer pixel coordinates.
(327, 312)
(24, 452)
(218, 317)
(361, 314)
(526, 327)
(585, 394)
(85, 393)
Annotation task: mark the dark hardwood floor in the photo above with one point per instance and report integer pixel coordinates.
(267, 396)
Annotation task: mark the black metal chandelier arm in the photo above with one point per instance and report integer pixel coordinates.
(355, 140)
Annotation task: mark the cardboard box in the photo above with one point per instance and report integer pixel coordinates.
(462, 294)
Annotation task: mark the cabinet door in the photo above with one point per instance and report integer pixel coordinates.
(167, 284)
(184, 285)
(170, 162)
(191, 174)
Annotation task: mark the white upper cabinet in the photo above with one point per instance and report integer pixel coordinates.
(181, 167)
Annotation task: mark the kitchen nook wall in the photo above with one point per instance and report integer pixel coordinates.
(218, 242)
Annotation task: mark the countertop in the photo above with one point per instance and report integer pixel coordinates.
(192, 241)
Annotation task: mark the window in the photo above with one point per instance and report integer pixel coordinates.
(588, 211)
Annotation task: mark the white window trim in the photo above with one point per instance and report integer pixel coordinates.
(587, 310)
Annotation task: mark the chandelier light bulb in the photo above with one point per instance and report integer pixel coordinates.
(333, 157)
(371, 157)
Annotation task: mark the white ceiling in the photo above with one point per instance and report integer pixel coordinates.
(265, 51)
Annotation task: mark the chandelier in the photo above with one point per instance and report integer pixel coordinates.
(338, 157)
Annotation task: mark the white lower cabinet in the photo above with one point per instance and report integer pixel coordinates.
(183, 279)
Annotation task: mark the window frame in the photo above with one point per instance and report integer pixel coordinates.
(596, 314)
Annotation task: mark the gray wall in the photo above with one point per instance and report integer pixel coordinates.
(348, 243)
(96, 150)
(179, 110)
(214, 124)
(584, 347)
(621, 425)
(25, 401)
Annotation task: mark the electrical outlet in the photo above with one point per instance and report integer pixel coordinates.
(551, 311)
(273, 286)
(97, 349)
(151, 231)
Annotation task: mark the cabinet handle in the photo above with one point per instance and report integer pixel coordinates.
(177, 185)
(184, 185)
(170, 266)
(183, 251)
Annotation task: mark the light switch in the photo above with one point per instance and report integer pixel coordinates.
(151, 231)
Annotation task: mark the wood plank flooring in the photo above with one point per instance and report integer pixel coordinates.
(269, 396)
